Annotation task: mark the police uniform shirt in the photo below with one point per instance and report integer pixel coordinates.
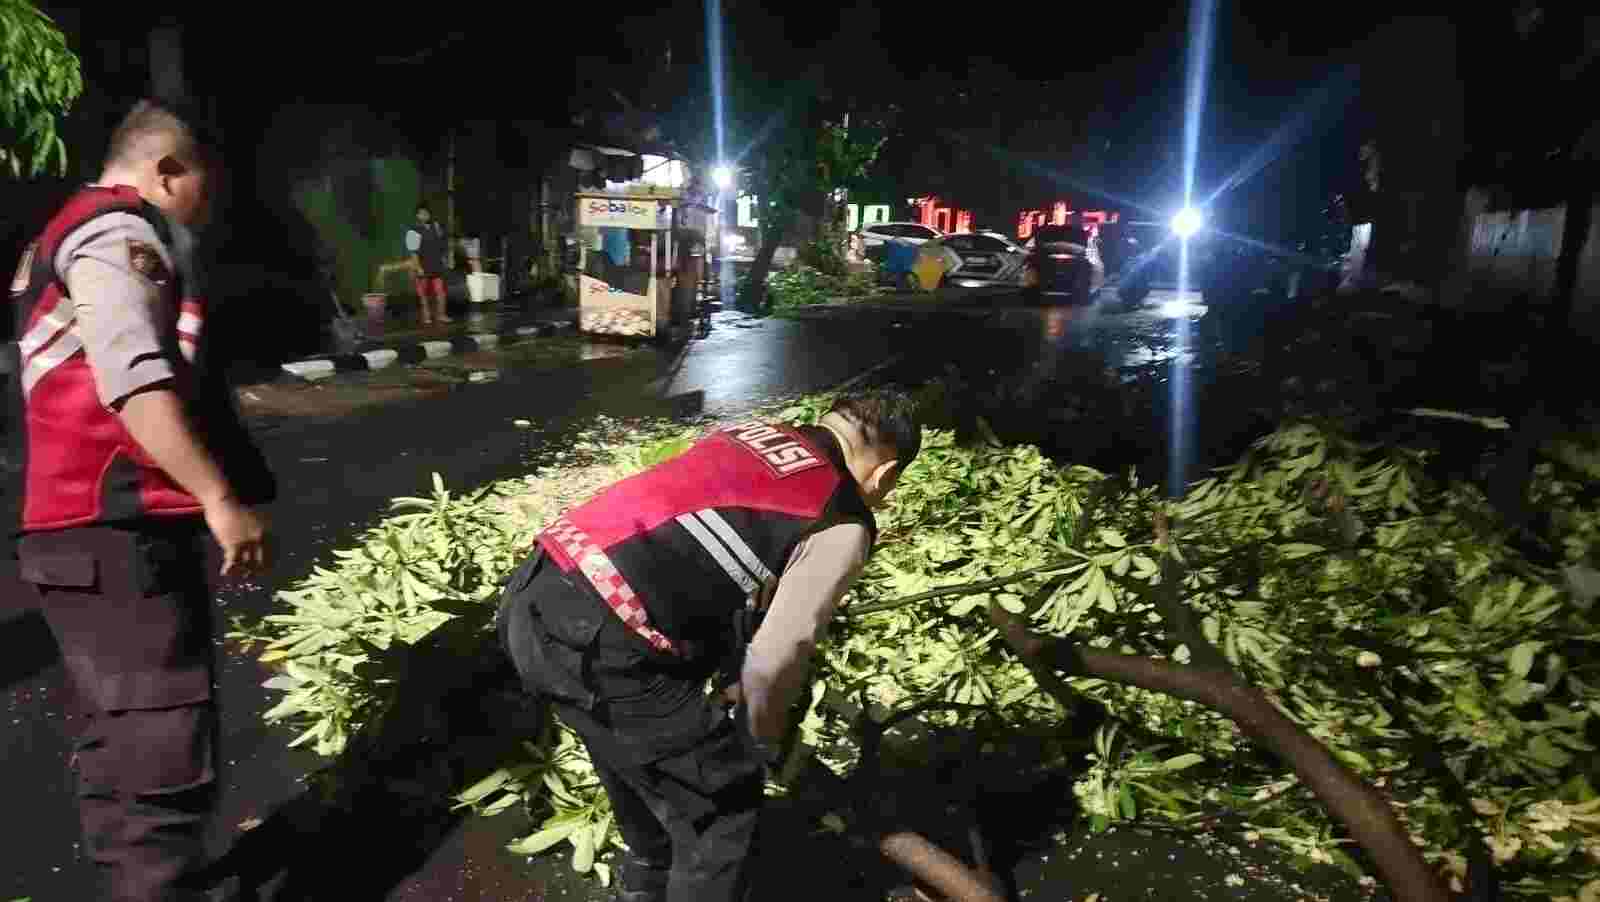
(800, 605)
(117, 272)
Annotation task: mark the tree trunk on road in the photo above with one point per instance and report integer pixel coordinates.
(755, 298)
(1363, 812)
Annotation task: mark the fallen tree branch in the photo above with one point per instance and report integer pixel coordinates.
(941, 871)
(1362, 811)
(878, 607)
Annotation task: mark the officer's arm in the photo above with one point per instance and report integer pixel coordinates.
(816, 578)
(116, 312)
(156, 420)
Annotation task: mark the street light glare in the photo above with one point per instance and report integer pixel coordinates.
(722, 177)
(1187, 222)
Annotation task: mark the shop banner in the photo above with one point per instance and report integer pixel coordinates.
(617, 212)
(604, 310)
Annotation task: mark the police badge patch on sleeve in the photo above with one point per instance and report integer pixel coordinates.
(145, 260)
(19, 282)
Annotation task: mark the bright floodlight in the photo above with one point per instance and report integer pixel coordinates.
(722, 177)
(1186, 222)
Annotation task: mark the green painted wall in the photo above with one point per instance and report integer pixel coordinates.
(362, 239)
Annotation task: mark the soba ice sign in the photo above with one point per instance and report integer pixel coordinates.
(617, 213)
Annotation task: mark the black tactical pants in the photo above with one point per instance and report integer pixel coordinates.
(686, 791)
(131, 613)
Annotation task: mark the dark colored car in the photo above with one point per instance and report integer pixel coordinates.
(1061, 262)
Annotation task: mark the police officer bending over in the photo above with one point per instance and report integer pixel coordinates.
(631, 601)
(133, 451)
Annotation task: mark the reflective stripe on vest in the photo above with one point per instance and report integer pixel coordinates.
(732, 553)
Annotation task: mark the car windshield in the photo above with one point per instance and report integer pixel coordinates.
(979, 243)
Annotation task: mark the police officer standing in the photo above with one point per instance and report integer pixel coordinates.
(631, 602)
(132, 453)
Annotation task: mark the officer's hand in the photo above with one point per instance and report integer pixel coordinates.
(242, 533)
(732, 695)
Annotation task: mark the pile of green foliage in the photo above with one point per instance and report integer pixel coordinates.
(1383, 613)
(806, 286)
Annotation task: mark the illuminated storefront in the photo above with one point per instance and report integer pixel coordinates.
(1060, 213)
(932, 212)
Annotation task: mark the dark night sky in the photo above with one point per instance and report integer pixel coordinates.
(1126, 60)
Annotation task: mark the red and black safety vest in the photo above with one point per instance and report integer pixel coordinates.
(80, 465)
(677, 550)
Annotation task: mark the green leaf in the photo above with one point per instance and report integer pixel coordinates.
(1467, 702)
(1129, 808)
(967, 605)
(1144, 567)
(1112, 537)
(480, 790)
(1294, 550)
(316, 732)
(544, 839)
(583, 851)
(1520, 661)
(504, 803)
(1541, 750)
(1182, 762)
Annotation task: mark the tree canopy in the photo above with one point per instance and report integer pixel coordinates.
(39, 80)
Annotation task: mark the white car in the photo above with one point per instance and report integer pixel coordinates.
(871, 238)
(981, 260)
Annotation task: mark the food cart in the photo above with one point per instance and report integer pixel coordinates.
(624, 247)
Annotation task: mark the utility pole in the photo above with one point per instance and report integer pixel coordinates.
(450, 201)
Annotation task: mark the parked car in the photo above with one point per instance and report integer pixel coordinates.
(872, 237)
(1061, 262)
(970, 261)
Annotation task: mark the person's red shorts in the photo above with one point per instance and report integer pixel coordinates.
(429, 286)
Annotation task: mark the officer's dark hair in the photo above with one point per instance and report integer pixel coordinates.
(153, 123)
(887, 418)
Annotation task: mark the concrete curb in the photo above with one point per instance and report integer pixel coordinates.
(380, 358)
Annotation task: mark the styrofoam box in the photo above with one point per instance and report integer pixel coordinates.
(483, 286)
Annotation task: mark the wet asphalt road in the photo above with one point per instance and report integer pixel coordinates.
(336, 476)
